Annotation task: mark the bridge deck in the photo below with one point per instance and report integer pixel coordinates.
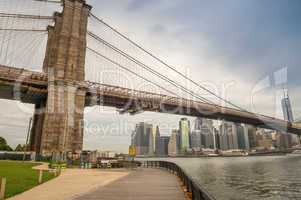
(143, 184)
(33, 88)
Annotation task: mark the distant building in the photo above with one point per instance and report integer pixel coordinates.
(198, 123)
(259, 136)
(142, 139)
(173, 145)
(151, 142)
(207, 131)
(156, 134)
(233, 136)
(280, 140)
(184, 134)
(295, 140)
(228, 136)
(241, 137)
(196, 144)
(287, 108)
(288, 137)
(163, 146)
(264, 139)
(251, 133)
(223, 137)
(217, 142)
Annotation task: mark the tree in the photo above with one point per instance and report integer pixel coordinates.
(20, 147)
(2, 141)
(4, 146)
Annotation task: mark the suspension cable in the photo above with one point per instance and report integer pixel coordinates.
(161, 61)
(25, 16)
(23, 30)
(50, 1)
(132, 72)
(149, 68)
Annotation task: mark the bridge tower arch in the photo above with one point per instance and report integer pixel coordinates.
(58, 120)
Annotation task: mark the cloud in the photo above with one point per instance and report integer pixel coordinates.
(214, 42)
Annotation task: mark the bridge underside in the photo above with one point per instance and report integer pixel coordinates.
(32, 87)
(131, 104)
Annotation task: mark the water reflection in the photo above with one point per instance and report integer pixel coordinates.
(247, 178)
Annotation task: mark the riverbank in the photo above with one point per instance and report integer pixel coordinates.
(228, 154)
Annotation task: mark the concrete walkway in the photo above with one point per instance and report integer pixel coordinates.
(71, 184)
(143, 184)
(139, 184)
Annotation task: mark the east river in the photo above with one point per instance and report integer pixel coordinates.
(249, 178)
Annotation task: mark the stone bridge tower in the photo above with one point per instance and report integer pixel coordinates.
(58, 120)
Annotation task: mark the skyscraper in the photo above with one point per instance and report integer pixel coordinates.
(233, 136)
(247, 142)
(241, 137)
(173, 145)
(228, 135)
(151, 141)
(156, 136)
(287, 108)
(196, 140)
(251, 132)
(198, 123)
(142, 139)
(223, 136)
(217, 144)
(207, 133)
(184, 134)
(163, 146)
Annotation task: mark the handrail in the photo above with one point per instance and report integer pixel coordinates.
(196, 191)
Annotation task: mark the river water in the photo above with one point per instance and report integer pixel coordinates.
(246, 178)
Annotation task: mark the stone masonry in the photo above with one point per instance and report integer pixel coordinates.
(58, 122)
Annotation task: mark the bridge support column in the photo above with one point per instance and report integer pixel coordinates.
(62, 121)
(37, 127)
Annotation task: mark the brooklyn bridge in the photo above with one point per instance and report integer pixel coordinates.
(78, 45)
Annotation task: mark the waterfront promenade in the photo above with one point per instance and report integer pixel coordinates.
(76, 184)
(143, 184)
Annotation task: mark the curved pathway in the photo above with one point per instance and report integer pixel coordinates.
(70, 184)
(139, 184)
(142, 184)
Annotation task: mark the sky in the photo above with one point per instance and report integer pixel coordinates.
(247, 51)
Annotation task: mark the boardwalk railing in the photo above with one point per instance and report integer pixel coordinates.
(193, 188)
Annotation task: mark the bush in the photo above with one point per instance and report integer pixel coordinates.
(4, 146)
(14, 156)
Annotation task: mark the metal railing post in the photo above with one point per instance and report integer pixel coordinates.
(193, 189)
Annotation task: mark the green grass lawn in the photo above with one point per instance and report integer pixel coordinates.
(20, 176)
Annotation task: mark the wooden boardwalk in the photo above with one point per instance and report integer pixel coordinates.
(142, 184)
